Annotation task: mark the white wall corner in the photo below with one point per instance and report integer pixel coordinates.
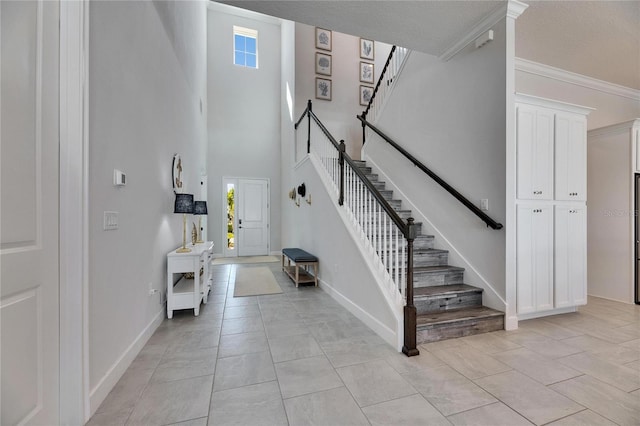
(511, 9)
(111, 377)
(547, 71)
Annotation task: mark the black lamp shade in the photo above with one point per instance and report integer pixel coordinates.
(200, 207)
(184, 203)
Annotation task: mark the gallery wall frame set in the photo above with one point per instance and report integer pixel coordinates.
(366, 72)
(323, 88)
(367, 49)
(323, 39)
(366, 92)
(323, 63)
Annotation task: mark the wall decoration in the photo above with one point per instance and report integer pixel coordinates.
(365, 94)
(176, 174)
(323, 89)
(367, 49)
(323, 63)
(323, 39)
(366, 72)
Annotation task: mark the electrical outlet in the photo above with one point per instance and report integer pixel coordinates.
(152, 290)
(484, 204)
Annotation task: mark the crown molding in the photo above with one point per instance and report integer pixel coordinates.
(553, 104)
(547, 71)
(511, 9)
(615, 129)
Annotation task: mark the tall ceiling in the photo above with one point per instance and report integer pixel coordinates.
(599, 39)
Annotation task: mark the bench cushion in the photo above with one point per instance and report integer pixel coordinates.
(299, 255)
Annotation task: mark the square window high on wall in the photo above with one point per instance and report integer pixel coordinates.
(245, 47)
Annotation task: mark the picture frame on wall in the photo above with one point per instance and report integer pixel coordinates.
(323, 63)
(366, 72)
(366, 92)
(323, 39)
(367, 49)
(323, 89)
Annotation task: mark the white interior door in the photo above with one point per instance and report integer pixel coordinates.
(253, 217)
(29, 306)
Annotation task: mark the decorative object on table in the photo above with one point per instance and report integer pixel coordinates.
(293, 196)
(308, 199)
(323, 89)
(365, 94)
(323, 63)
(176, 174)
(367, 49)
(194, 234)
(323, 39)
(302, 190)
(366, 72)
(199, 209)
(184, 204)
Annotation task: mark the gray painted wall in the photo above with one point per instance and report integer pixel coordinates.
(144, 107)
(451, 116)
(244, 115)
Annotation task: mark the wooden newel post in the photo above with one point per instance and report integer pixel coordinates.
(410, 323)
(309, 126)
(341, 163)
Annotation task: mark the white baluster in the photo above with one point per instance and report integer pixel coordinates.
(397, 255)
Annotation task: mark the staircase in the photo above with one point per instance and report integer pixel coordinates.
(446, 307)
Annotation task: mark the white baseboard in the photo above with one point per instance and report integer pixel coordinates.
(109, 380)
(626, 302)
(532, 315)
(275, 253)
(382, 330)
(510, 322)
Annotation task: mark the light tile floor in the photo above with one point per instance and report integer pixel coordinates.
(299, 358)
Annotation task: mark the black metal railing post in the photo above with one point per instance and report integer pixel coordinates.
(309, 127)
(410, 314)
(341, 152)
(364, 128)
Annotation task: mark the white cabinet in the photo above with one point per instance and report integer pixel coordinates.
(570, 257)
(534, 258)
(188, 293)
(551, 193)
(535, 153)
(570, 156)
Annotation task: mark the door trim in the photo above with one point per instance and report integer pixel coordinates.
(236, 181)
(636, 233)
(74, 208)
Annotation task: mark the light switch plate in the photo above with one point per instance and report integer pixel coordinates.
(484, 204)
(110, 221)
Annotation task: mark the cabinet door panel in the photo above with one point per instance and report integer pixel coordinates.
(534, 263)
(570, 287)
(570, 156)
(535, 153)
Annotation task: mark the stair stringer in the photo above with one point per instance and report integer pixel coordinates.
(490, 296)
(385, 285)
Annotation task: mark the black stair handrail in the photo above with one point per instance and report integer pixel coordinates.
(408, 229)
(451, 190)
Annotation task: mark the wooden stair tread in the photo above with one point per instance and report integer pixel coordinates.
(437, 269)
(444, 290)
(457, 315)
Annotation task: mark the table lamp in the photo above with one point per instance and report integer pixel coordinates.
(200, 209)
(184, 205)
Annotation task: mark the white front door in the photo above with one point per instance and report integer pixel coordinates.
(29, 305)
(253, 217)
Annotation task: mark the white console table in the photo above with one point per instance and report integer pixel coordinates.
(187, 293)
